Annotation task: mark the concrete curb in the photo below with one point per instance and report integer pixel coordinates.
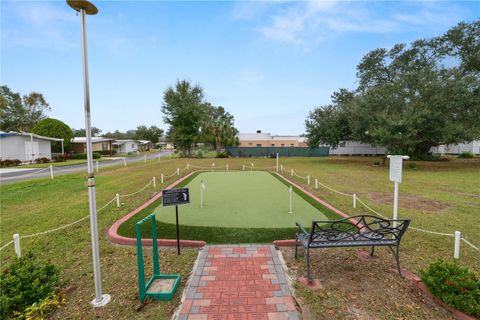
(114, 237)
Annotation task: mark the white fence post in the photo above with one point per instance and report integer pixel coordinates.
(51, 172)
(145, 158)
(277, 161)
(291, 172)
(456, 249)
(118, 199)
(16, 243)
(243, 167)
(213, 166)
(316, 183)
(308, 180)
(124, 162)
(354, 200)
(161, 178)
(154, 182)
(97, 166)
(227, 166)
(188, 166)
(178, 171)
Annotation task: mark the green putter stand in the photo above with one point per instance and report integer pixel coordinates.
(160, 286)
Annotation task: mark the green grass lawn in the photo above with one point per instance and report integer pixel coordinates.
(439, 196)
(239, 207)
(55, 164)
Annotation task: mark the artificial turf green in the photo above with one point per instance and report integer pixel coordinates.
(241, 200)
(240, 207)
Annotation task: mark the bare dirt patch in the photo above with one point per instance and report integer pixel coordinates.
(408, 201)
(353, 288)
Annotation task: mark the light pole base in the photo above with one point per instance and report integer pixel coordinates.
(105, 300)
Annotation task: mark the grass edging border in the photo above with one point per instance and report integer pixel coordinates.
(114, 237)
(417, 282)
(291, 242)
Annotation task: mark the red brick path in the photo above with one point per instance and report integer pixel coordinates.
(233, 282)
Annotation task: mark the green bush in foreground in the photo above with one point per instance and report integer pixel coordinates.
(453, 284)
(24, 282)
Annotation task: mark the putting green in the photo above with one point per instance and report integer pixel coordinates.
(241, 200)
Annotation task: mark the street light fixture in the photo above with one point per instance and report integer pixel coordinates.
(85, 7)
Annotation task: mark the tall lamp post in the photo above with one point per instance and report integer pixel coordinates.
(85, 7)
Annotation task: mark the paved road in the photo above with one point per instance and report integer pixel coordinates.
(35, 173)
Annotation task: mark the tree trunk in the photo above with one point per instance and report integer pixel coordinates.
(422, 150)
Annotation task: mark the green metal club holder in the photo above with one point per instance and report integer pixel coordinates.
(160, 286)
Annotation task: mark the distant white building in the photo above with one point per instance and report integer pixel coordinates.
(473, 147)
(356, 148)
(25, 146)
(126, 146)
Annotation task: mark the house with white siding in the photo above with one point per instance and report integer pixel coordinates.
(25, 146)
(126, 146)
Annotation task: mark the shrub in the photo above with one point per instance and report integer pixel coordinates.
(103, 152)
(59, 158)
(198, 154)
(412, 165)
(224, 154)
(42, 160)
(42, 309)
(10, 163)
(453, 284)
(466, 155)
(96, 155)
(24, 282)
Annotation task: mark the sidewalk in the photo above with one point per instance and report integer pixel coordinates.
(238, 282)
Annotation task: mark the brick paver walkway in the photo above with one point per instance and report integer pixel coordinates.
(238, 282)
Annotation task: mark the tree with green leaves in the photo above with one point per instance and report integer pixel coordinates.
(56, 129)
(183, 111)
(408, 99)
(21, 113)
(81, 132)
(152, 133)
(218, 128)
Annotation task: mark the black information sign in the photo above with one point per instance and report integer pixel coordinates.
(173, 197)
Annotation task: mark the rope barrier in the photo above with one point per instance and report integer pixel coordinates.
(61, 227)
(6, 245)
(138, 191)
(423, 230)
(333, 190)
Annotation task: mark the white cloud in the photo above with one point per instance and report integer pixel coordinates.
(310, 22)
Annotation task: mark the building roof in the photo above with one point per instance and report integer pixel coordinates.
(94, 139)
(144, 141)
(27, 134)
(122, 141)
(267, 136)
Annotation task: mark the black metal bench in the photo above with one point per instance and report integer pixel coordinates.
(355, 231)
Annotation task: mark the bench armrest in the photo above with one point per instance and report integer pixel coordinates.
(300, 228)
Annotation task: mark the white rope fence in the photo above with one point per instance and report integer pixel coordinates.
(136, 192)
(292, 172)
(116, 198)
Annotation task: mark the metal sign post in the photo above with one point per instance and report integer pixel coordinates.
(396, 165)
(85, 7)
(174, 197)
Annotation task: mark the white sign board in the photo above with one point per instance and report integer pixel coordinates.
(396, 168)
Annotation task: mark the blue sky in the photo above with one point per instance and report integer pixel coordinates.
(267, 63)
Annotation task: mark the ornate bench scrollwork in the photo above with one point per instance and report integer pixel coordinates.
(355, 231)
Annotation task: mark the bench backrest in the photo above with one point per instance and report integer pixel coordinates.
(358, 228)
